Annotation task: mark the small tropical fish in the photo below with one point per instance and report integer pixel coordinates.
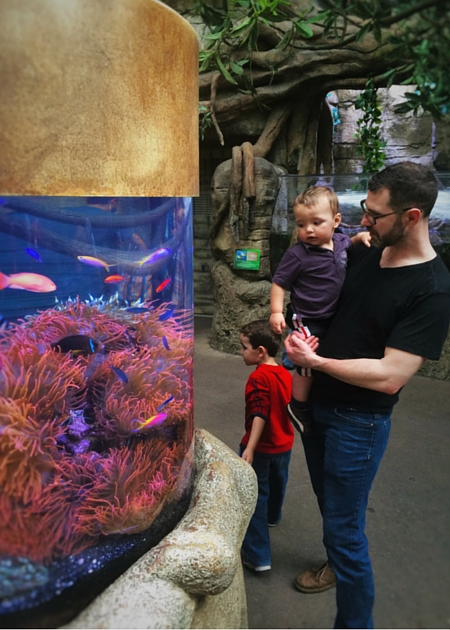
(27, 281)
(166, 402)
(153, 421)
(137, 309)
(77, 345)
(165, 343)
(94, 262)
(167, 315)
(114, 279)
(139, 241)
(163, 285)
(152, 258)
(120, 374)
(33, 254)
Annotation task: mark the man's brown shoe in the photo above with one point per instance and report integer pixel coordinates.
(316, 580)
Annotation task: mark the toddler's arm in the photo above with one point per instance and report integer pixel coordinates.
(255, 435)
(361, 237)
(277, 322)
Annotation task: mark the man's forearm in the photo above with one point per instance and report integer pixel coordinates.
(387, 375)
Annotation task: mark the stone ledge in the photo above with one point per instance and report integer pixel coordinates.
(193, 578)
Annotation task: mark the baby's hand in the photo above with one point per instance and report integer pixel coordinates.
(277, 323)
(365, 238)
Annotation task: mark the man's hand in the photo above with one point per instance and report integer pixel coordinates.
(302, 351)
(277, 323)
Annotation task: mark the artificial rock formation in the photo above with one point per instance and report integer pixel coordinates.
(241, 222)
(193, 578)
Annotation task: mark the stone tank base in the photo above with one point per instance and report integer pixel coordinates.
(193, 578)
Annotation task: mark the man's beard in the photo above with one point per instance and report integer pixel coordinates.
(393, 237)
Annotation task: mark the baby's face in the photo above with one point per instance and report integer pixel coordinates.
(316, 225)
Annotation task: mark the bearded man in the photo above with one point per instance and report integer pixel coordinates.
(393, 315)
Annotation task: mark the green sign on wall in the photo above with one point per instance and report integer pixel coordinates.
(247, 259)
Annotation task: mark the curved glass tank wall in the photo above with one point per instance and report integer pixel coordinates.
(96, 425)
(350, 189)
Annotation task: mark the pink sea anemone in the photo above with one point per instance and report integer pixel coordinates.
(71, 467)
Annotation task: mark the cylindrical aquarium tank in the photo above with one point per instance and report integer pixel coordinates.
(98, 166)
(96, 421)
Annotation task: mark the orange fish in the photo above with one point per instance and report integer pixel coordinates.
(27, 281)
(163, 285)
(114, 279)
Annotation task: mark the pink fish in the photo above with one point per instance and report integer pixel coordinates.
(27, 281)
(153, 421)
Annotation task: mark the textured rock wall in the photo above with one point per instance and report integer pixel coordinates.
(241, 296)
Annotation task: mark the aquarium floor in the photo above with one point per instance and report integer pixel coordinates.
(407, 520)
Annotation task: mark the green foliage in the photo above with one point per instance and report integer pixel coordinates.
(414, 33)
(205, 120)
(237, 29)
(430, 55)
(368, 129)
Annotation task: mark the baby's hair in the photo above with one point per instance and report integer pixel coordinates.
(259, 333)
(311, 196)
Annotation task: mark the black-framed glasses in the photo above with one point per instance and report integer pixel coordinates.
(373, 218)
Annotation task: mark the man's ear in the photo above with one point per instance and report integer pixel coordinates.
(414, 215)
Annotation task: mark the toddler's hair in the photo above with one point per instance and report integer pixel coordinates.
(311, 196)
(259, 333)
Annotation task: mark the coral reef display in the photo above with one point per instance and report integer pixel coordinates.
(95, 424)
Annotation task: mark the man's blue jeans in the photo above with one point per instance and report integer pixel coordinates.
(272, 472)
(343, 454)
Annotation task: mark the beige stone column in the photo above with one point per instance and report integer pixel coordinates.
(97, 98)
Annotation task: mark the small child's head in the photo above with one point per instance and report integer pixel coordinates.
(316, 213)
(258, 342)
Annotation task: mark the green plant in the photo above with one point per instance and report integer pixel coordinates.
(205, 119)
(368, 129)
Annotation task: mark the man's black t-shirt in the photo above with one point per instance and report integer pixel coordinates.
(407, 308)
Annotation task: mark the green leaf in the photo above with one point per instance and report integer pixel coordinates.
(363, 31)
(241, 27)
(236, 68)
(305, 30)
(214, 36)
(224, 71)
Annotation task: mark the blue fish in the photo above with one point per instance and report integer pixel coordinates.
(120, 374)
(137, 309)
(33, 254)
(167, 315)
(166, 402)
(165, 343)
(3, 202)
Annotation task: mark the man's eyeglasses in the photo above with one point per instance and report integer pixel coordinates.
(373, 218)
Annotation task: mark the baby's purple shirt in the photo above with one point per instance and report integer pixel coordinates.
(314, 276)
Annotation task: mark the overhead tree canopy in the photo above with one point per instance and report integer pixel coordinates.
(283, 57)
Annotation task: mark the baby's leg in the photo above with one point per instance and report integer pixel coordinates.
(298, 408)
(301, 386)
